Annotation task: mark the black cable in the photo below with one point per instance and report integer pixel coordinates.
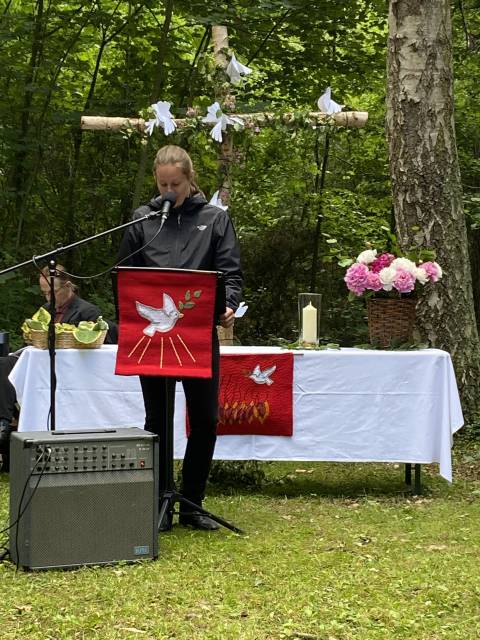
(102, 273)
(20, 510)
(25, 488)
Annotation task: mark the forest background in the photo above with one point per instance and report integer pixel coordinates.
(58, 184)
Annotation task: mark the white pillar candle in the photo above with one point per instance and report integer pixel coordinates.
(309, 324)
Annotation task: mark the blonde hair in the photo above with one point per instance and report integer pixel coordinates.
(172, 154)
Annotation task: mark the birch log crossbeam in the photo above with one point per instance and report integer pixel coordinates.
(355, 119)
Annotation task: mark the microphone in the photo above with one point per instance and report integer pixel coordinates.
(160, 203)
(166, 201)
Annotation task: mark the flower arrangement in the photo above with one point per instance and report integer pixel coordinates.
(372, 273)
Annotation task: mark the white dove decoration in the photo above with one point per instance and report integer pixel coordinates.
(161, 320)
(235, 70)
(163, 118)
(327, 105)
(262, 377)
(242, 310)
(215, 115)
(217, 201)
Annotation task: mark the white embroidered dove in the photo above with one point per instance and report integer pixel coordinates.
(220, 120)
(163, 118)
(327, 105)
(262, 377)
(161, 320)
(235, 70)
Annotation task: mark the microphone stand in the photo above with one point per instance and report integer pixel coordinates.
(169, 494)
(52, 267)
(51, 256)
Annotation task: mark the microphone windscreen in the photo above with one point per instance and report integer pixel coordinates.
(170, 196)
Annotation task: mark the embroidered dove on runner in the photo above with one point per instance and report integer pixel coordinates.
(161, 320)
(262, 377)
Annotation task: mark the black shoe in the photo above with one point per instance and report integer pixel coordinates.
(198, 521)
(5, 431)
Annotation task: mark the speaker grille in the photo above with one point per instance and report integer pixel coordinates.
(85, 518)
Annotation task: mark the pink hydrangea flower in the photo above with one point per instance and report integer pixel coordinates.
(433, 271)
(373, 281)
(404, 281)
(356, 278)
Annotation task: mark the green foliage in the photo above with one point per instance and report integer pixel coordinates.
(58, 184)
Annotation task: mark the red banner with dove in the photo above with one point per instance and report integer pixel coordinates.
(166, 320)
(256, 392)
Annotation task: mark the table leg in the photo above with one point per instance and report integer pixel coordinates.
(417, 486)
(408, 473)
(418, 482)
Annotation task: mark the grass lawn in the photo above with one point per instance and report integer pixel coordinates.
(331, 551)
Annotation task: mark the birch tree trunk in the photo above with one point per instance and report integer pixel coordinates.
(426, 184)
(158, 83)
(226, 98)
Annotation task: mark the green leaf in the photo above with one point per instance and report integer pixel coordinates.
(197, 293)
(187, 295)
(86, 324)
(189, 305)
(100, 324)
(42, 315)
(35, 325)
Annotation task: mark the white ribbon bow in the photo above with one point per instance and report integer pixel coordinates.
(217, 201)
(163, 118)
(327, 105)
(215, 115)
(235, 69)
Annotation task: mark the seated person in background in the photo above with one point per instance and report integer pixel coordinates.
(69, 308)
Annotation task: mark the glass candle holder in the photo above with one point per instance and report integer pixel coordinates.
(309, 308)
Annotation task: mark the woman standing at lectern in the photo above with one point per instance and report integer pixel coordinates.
(196, 235)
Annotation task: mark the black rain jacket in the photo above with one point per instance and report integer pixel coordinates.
(196, 235)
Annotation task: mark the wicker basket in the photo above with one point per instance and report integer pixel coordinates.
(64, 340)
(390, 320)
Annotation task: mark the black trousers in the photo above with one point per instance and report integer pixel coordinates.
(8, 397)
(201, 396)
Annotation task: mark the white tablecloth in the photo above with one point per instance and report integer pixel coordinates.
(349, 405)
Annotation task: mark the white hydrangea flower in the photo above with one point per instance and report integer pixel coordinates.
(404, 263)
(387, 276)
(421, 275)
(368, 256)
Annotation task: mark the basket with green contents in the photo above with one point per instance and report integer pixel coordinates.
(86, 335)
